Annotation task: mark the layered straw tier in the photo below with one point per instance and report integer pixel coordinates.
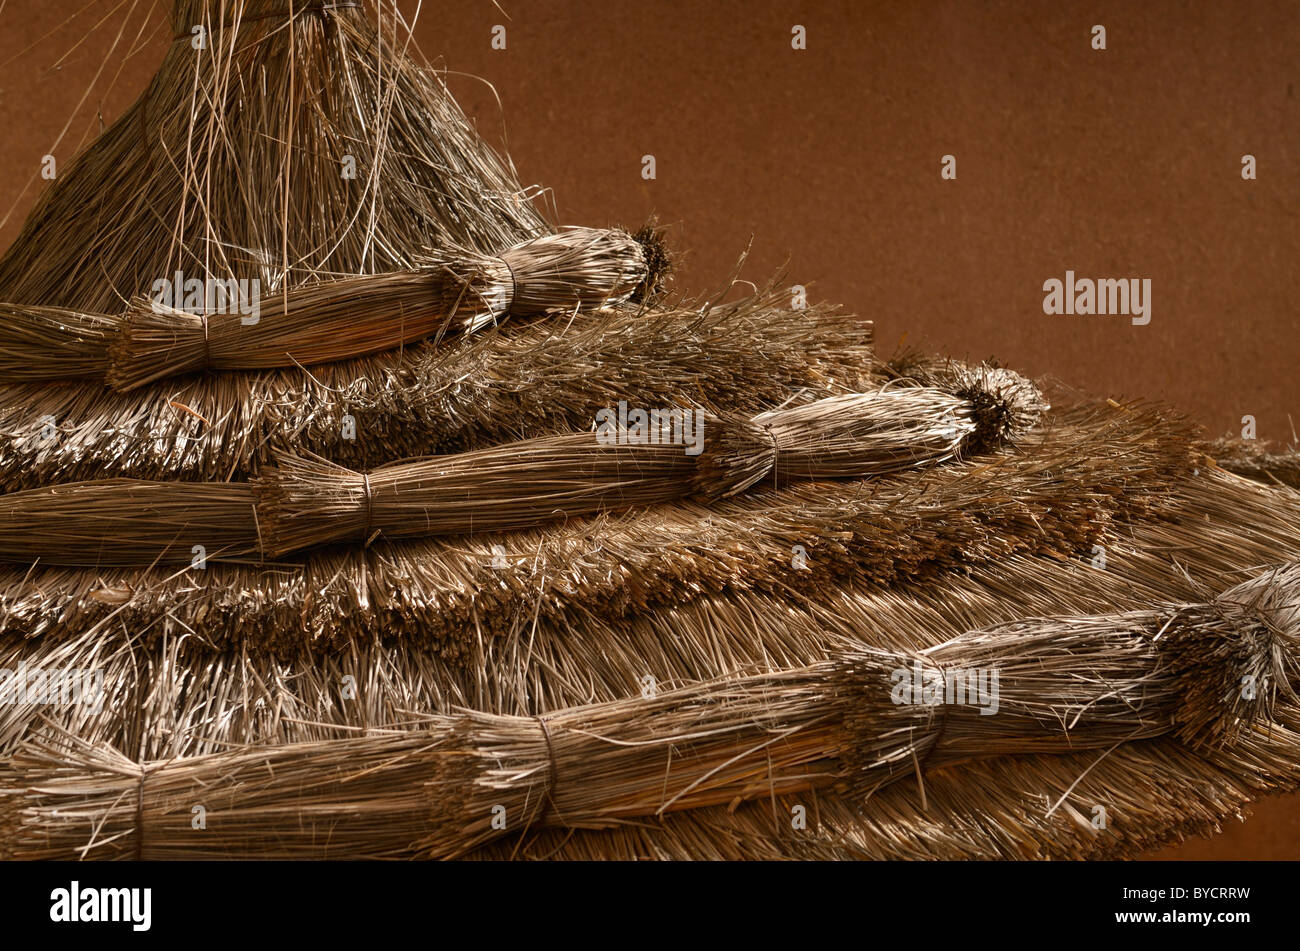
(857, 721)
(304, 503)
(167, 692)
(215, 326)
(519, 380)
(301, 140)
(1086, 473)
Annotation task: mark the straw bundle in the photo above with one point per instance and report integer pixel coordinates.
(310, 502)
(35, 339)
(302, 140)
(513, 382)
(122, 522)
(1155, 793)
(1059, 685)
(307, 502)
(1004, 402)
(578, 268)
(1093, 468)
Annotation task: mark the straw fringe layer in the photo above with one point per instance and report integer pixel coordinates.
(1085, 471)
(1063, 685)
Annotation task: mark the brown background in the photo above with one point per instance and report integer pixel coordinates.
(1122, 163)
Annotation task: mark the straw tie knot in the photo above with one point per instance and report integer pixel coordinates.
(553, 767)
(367, 504)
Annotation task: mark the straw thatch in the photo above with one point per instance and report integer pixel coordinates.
(668, 681)
(236, 163)
(303, 503)
(1059, 685)
(208, 696)
(514, 382)
(1058, 495)
(242, 697)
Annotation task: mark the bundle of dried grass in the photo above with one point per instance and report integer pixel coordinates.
(118, 522)
(1004, 402)
(1155, 793)
(582, 611)
(444, 786)
(297, 140)
(35, 339)
(576, 269)
(309, 502)
(303, 503)
(1082, 473)
(513, 382)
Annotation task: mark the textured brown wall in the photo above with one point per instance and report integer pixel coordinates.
(1119, 163)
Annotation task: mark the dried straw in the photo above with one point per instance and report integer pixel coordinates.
(1258, 459)
(1064, 684)
(1084, 472)
(304, 503)
(172, 695)
(308, 502)
(236, 163)
(34, 339)
(119, 522)
(578, 268)
(514, 382)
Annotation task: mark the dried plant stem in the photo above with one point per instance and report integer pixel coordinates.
(521, 380)
(41, 343)
(302, 503)
(119, 522)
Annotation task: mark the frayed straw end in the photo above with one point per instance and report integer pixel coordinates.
(1004, 405)
(577, 267)
(306, 502)
(154, 342)
(659, 264)
(1236, 655)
